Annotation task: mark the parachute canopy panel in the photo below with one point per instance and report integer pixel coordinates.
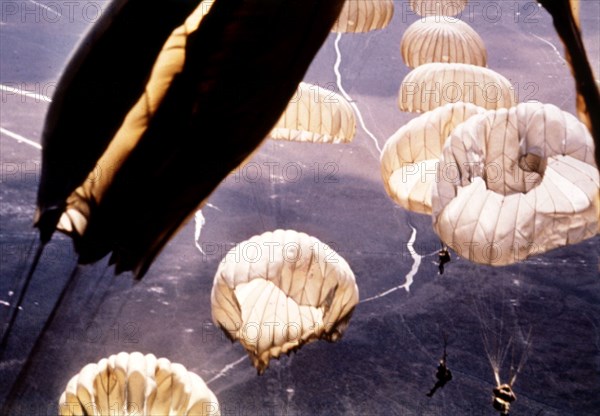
(515, 183)
(410, 156)
(360, 16)
(318, 115)
(280, 290)
(432, 85)
(438, 39)
(136, 384)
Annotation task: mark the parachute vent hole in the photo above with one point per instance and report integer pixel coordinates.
(530, 162)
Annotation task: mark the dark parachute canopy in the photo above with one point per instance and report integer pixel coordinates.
(154, 137)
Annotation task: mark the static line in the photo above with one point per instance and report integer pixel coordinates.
(338, 75)
(50, 9)
(409, 279)
(25, 93)
(20, 138)
(226, 369)
(551, 45)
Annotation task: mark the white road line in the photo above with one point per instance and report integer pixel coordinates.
(19, 138)
(225, 369)
(50, 9)
(16, 90)
(336, 69)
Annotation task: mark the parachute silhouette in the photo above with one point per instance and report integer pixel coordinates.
(280, 290)
(565, 17)
(432, 85)
(410, 156)
(164, 145)
(436, 39)
(364, 16)
(437, 7)
(317, 115)
(517, 182)
(136, 384)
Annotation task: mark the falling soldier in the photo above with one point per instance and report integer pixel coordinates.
(443, 258)
(503, 397)
(443, 373)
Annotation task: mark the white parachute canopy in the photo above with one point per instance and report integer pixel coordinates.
(280, 290)
(316, 114)
(515, 183)
(135, 384)
(432, 85)
(410, 156)
(442, 39)
(364, 16)
(437, 7)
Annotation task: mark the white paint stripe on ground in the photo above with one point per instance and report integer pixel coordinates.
(20, 138)
(50, 9)
(226, 369)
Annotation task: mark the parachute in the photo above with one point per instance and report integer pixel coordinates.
(517, 182)
(280, 290)
(435, 39)
(432, 85)
(104, 77)
(437, 7)
(410, 156)
(209, 102)
(364, 16)
(136, 384)
(169, 62)
(318, 115)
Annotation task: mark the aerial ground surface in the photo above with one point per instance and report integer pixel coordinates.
(386, 361)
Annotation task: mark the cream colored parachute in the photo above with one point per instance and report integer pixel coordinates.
(280, 290)
(437, 7)
(432, 85)
(410, 156)
(135, 384)
(316, 114)
(516, 182)
(439, 39)
(364, 15)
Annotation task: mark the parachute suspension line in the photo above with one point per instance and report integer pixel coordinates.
(421, 346)
(13, 311)
(522, 360)
(484, 331)
(338, 75)
(21, 378)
